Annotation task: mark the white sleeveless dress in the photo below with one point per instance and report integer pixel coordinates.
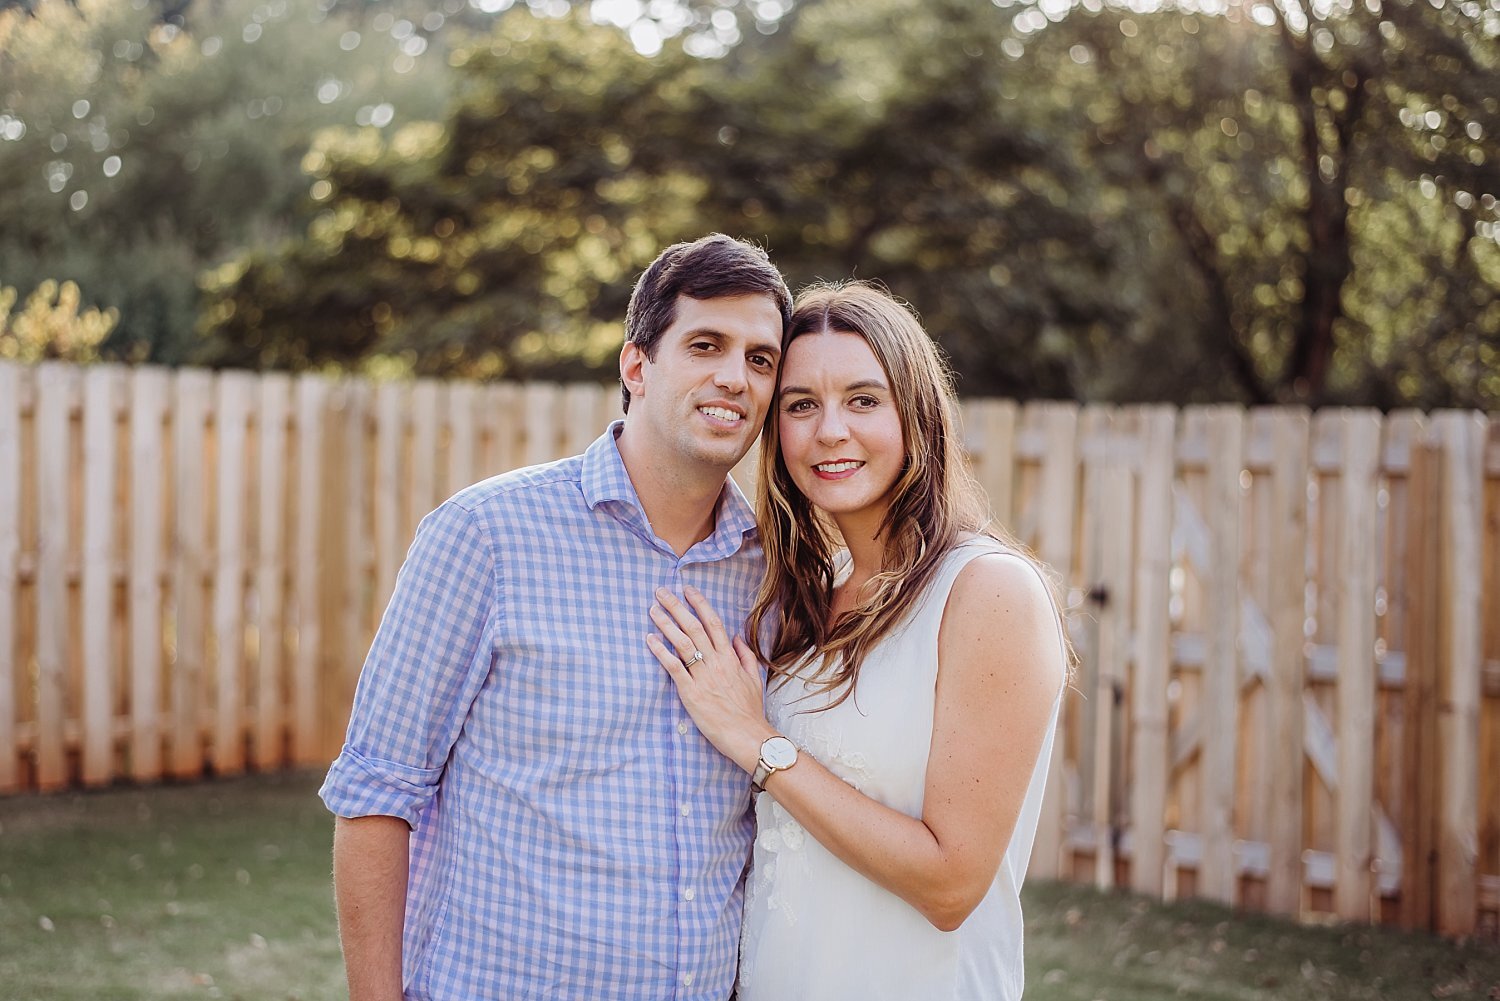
(816, 930)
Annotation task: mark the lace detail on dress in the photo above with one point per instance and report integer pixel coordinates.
(781, 835)
(851, 766)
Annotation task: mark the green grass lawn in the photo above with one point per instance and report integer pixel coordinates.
(221, 891)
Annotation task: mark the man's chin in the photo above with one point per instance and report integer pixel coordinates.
(723, 455)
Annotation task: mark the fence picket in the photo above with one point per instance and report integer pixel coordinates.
(194, 391)
(100, 503)
(55, 385)
(150, 398)
(1217, 875)
(235, 399)
(307, 690)
(422, 482)
(463, 422)
(1151, 666)
(1355, 576)
(1286, 608)
(390, 525)
(1058, 427)
(270, 571)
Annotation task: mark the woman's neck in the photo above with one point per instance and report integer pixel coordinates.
(865, 542)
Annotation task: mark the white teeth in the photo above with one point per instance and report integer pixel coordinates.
(837, 467)
(721, 413)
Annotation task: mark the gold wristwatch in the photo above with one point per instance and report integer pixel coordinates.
(777, 754)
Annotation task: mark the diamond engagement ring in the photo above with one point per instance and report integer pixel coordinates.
(695, 658)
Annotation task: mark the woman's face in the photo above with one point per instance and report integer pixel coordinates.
(840, 431)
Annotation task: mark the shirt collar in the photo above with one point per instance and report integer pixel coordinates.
(604, 479)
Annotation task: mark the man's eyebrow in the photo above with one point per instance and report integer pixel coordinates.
(861, 384)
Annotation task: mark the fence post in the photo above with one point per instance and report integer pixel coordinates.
(11, 376)
(1419, 758)
(1462, 436)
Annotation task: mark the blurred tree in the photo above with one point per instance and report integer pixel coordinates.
(1263, 206)
(140, 144)
(505, 240)
(1324, 175)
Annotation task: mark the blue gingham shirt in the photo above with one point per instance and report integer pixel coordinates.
(573, 835)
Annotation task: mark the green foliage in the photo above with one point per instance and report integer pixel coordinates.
(1276, 203)
(136, 151)
(50, 325)
(1105, 204)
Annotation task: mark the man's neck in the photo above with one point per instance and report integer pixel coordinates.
(680, 503)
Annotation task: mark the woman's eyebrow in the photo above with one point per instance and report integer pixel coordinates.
(861, 384)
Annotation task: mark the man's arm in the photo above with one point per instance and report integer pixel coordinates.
(370, 858)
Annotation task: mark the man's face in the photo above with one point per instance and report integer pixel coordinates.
(705, 395)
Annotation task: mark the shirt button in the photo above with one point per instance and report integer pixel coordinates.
(682, 728)
(685, 810)
(688, 894)
(687, 980)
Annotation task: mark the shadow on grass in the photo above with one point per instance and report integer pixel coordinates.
(222, 891)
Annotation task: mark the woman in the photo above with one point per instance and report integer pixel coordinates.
(914, 681)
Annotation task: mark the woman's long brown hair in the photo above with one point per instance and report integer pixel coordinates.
(934, 502)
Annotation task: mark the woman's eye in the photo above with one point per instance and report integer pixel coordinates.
(799, 406)
(866, 402)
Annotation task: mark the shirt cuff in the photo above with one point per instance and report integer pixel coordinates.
(358, 786)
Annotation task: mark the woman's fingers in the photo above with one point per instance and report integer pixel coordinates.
(688, 622)
(712, 624)
(668, 660)
(748, 660)
(680, 641)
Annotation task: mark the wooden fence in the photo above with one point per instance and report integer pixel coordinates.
(1288, 625)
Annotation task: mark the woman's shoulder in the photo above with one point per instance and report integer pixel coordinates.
(1001, 591)
(990, 571)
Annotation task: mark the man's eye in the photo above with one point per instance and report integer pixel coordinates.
(762, 361)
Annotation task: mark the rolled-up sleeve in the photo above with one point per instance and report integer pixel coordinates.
(430, 658)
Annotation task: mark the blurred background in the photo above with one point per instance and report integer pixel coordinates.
(1264, 202)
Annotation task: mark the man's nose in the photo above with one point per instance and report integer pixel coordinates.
(733, 375)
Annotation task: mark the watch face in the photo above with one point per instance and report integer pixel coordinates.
(779, 752)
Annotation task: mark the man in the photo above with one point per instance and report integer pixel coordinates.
(525, 809)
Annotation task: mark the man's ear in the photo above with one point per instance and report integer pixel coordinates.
(632, 368)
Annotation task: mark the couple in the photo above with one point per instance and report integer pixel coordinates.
(587, 667)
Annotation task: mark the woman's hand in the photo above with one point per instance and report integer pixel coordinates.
(718, 679)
